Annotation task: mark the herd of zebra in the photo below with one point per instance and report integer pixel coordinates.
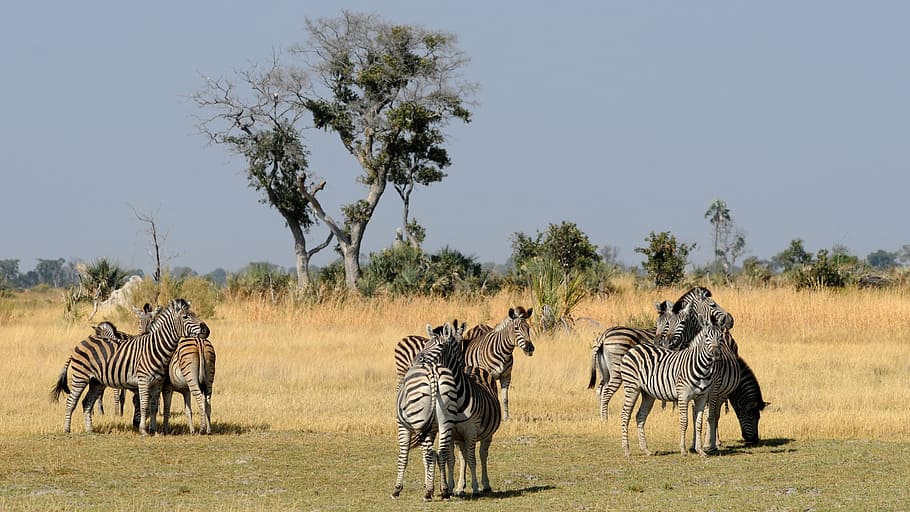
(171, 353)
(447, 383)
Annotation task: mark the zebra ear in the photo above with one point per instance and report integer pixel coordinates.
(430, 332)
(512, 313)
(528, 312)
(662, 307)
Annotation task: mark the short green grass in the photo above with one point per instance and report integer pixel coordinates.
(297, 470)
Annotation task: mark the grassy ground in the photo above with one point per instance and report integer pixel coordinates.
(304, 414)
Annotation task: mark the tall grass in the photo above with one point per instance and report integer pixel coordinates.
(832, 364)
(303, 412)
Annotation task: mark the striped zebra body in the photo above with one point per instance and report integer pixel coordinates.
(138, 363)
(492, 351)
(726, 379)
(426, 406)
(192, 373)
(409, 346)
(610, 346)
(747, 403)
(660, 373)
(478, 418)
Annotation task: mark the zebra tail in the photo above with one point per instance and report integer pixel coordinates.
(427, 429)
(594, 367)
(61, 386)
(200, 351)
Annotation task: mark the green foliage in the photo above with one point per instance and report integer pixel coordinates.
(666, 258)
(202, 293)
(882, 260)
(822, 273)
(98, 279)
(556, 292)
(405, 269)
(792, 258)
(757, 272)
(260, 280)
(565, 244)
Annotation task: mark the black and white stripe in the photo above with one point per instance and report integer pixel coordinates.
(138, 363)
(654, 372)
(426, 406)
(192, 374)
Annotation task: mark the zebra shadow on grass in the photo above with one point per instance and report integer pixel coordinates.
(182, 429)
(509, 493)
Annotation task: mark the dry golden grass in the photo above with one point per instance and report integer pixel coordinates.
(303, 413)
(833, 365)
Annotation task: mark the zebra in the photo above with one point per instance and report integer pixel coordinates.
(481, 420)
(409, 346)
(747, 403)
(145, 315)
(138, 363)
(191, 372)
(424, 391)
(682, 376)
(610, 346)
(492, 350)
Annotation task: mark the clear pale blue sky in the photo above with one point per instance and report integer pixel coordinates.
(623, 117)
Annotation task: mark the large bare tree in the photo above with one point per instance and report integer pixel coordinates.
(387, 91)
(257, 117)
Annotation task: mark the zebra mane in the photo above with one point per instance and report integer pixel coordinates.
(690, 296)
(167, 313)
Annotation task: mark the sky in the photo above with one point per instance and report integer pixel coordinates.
(623, 117)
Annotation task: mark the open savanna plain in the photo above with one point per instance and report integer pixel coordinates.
(304, 413)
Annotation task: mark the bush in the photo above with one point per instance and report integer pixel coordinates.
(556, 292)
(822, 273)
(262, 281)
(202, 294)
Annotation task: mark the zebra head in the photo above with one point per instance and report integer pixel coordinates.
(443, 346)
(679, 322)
(145, 316)
(748, 415)
(521, 329)
(107, 330)
(184, 320)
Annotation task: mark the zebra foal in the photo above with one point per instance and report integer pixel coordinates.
(654, 372)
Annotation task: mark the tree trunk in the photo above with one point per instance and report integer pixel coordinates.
(351, 255)
(406, 234)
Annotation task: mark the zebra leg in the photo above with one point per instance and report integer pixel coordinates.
(647, 402)
(713, 417)
(143, 405)
(118, 401)
(71, 400)
(167, 393)
(698, 412)
(100, 402)
(95, 389)
(430, 460)
(484, 453)
(136, 409)
(470, 456)
(632, 393)
(188, 411)
(208, 413)
(446, 478)
(504, 382)
(404, 443)
(609, 389)
(462, 468)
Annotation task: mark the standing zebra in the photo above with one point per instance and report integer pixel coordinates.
(611, 345)
(145, 315)
(191, 372)
(426, 389)
(492, 351)
(408, 347)
(484, 347)
(479, 420)
(138, 363)
(682, 376)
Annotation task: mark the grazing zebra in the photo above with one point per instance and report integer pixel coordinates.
(138, 363)
(492, 350)
(611, 345)
(682, 376)
(426, 390)
(748, 403)
(191, 372)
